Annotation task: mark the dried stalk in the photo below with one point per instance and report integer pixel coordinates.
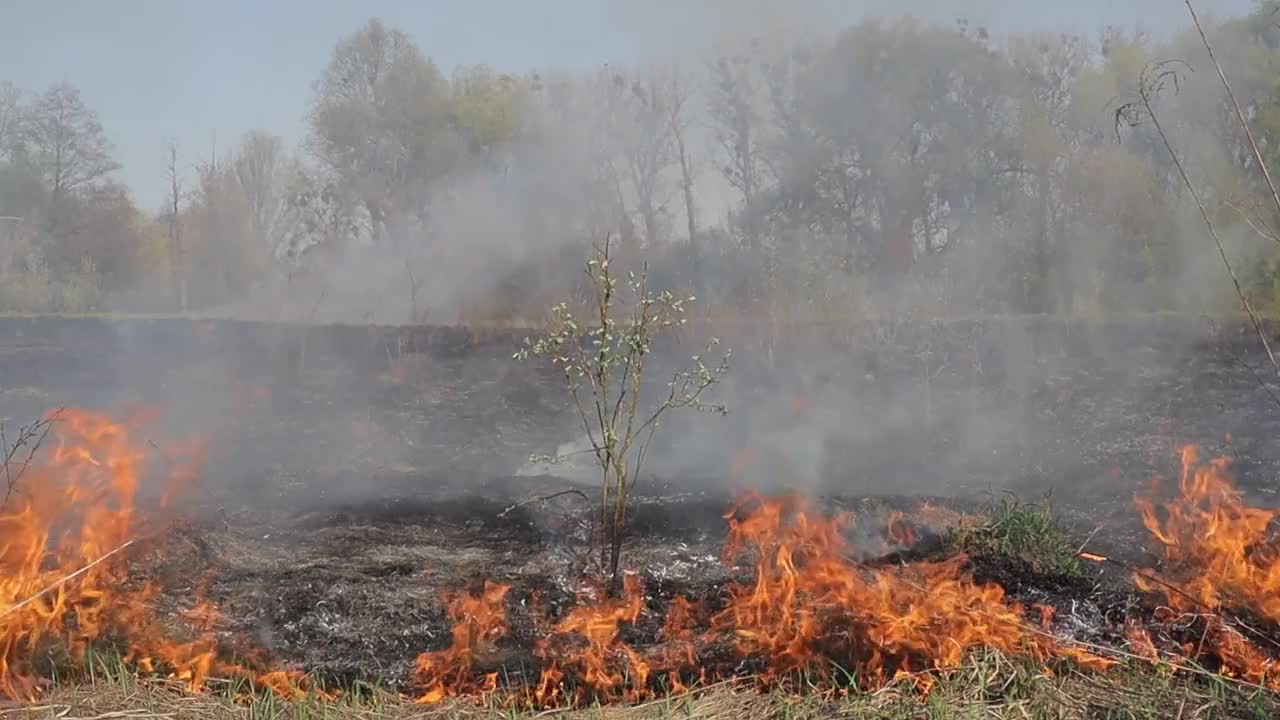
(1154, 79)
(543, 498)
(1230, 618)
(1262, 382)
(1244, 125)
(31, 437)
(62, 581)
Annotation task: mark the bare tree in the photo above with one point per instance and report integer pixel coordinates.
(10, 108)
(260, 166)
(648, 149)
(177, 254)
(66, 143)
(678, 122)
(737, 131)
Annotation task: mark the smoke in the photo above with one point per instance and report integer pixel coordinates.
(953, 199)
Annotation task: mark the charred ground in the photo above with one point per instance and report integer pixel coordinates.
(348, 493)
(356, 592)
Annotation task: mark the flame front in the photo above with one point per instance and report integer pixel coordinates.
(1220, 545)
(809, 609)
(478, 620)
(1222, 555)
(63, 579)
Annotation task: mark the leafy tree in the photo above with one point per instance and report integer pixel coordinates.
(64, 141)
(605, 360)
(380, 121)
(488, 108)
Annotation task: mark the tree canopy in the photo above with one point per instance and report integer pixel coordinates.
(895, 164)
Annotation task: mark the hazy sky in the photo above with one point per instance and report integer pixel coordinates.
(155, 69)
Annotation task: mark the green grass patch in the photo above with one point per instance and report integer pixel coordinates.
(1025, 531)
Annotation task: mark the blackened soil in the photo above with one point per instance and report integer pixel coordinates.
(357, 592)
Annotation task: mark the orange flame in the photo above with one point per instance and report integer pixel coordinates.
(810, 606)
(63, 579)
(898, 531)
(1220, 543)
(1222, 554)
(478, 620)
(604, 665)
(808, 609)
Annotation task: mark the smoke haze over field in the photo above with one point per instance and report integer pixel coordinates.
(942, 186)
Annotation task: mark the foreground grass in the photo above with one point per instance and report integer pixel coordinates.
(986, 686)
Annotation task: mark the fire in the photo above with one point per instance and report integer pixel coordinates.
(64, 583)
(586, 641)
(1222, 549)
(898, 531)
(478, 620)
(1222, 555)
(809, 609)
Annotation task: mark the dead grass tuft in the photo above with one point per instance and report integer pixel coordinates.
(987, 686)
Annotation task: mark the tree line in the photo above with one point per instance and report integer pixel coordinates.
(897, 165)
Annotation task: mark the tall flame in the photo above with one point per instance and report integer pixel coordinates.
(478, 620)
(809, 609)
(63, 576)
(1221, 555)
(1221, 547)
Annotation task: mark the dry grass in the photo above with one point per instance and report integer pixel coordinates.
(986, 686)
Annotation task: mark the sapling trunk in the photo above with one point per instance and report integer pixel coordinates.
(604, 368)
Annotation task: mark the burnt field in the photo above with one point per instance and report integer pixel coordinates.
(364, 514)
(358, 592)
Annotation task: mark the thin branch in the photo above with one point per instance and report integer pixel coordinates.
(543, 498)
(1255, 226)
(1153, 81)
(1257, 377)
(1155, 579)
(1089, 539)
(316, 307)
(31, 437)
(1244, 125)
(62, 581)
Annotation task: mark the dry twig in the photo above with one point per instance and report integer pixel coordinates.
(1218, 612)
(30, 437)
(1156, 79)
(62, 581)
(543, 498)
(1235, 104)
